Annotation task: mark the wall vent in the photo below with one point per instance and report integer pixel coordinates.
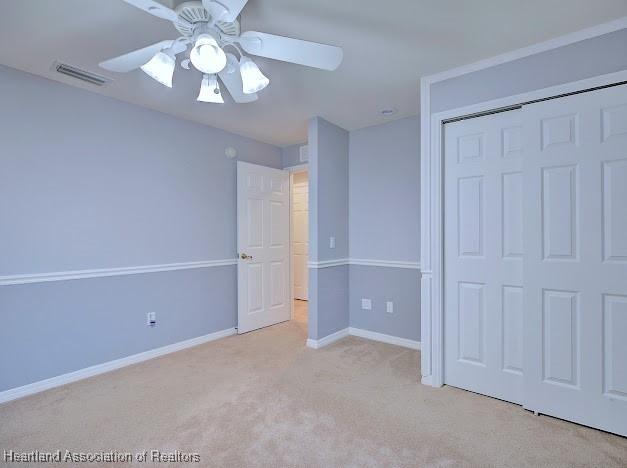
(79, 74)
(304, 153)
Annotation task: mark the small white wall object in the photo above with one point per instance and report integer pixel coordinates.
(230, 152)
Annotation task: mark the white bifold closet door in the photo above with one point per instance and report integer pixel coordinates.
(483, 243)
(535, 302)
(575, 281)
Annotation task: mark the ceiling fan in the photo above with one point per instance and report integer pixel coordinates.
(211, 28)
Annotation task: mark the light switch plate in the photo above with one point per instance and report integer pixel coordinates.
(151, 319)
(366, 304)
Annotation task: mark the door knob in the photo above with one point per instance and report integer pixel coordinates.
(246, 257)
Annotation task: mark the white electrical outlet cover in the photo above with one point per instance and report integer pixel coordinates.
(366, 304)
(389, 307)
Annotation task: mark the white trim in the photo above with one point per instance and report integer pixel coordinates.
(98, 273)
(432, 290)
(427, 380)
(297, 168)
(555, 43)
(59, 380)
(557, 90)
(327, 340)
(328, 263)
(384, 263)
(291, 229)
(364, 261)
(367, 334)
(395, 340)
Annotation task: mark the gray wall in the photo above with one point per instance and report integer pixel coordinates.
(384, 191)
(50, 329)
(578, 61)
(384, 213)
(328, 216)
(328, 301)
(290, 155)
(382, 284)
(88, 182)
(328, 168)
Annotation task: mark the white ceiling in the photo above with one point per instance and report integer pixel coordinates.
(388, 45)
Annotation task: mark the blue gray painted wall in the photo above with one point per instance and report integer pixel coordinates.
(328, 216)
(290, 155)
(584, 59)
(384, 191)
(328, 168)
(88, 182)
(49, 329)
(328, 301)
(384, 214)
(382, 284)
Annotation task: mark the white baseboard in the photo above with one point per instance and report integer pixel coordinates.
(395, 340)
(370, 335)
(35, 387)
(327, 340)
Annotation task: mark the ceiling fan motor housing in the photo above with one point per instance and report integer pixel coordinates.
(192, 16)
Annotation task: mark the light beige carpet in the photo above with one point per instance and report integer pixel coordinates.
(263, 399)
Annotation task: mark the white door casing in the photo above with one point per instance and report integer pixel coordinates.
(300, 241)
(483, 313)
(262, 235)
(575, 285)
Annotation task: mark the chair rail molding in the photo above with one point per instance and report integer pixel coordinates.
(385, 263)
(327, 263)
(102, 272)
(364, 262)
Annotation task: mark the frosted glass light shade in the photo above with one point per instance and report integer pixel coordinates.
(252, 78)
(210, 90)
(207, 56)
(161, 68)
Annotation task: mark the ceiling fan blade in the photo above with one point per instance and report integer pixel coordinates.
(310, 54)
(135, 59)
(155, 9)
(233, 82)
(233, 8)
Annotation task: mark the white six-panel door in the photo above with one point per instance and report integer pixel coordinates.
(263, 246)
(575, 181)
(300, 236)
(483, 255)
(536, 257)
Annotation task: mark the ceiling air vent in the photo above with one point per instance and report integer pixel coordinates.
(79, 74)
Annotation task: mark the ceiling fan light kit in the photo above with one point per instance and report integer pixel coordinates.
(252, 78)
(210, 90)
(207, 56)
(161, 68)
(209, 27)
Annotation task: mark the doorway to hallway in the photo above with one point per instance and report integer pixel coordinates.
(300, 246)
